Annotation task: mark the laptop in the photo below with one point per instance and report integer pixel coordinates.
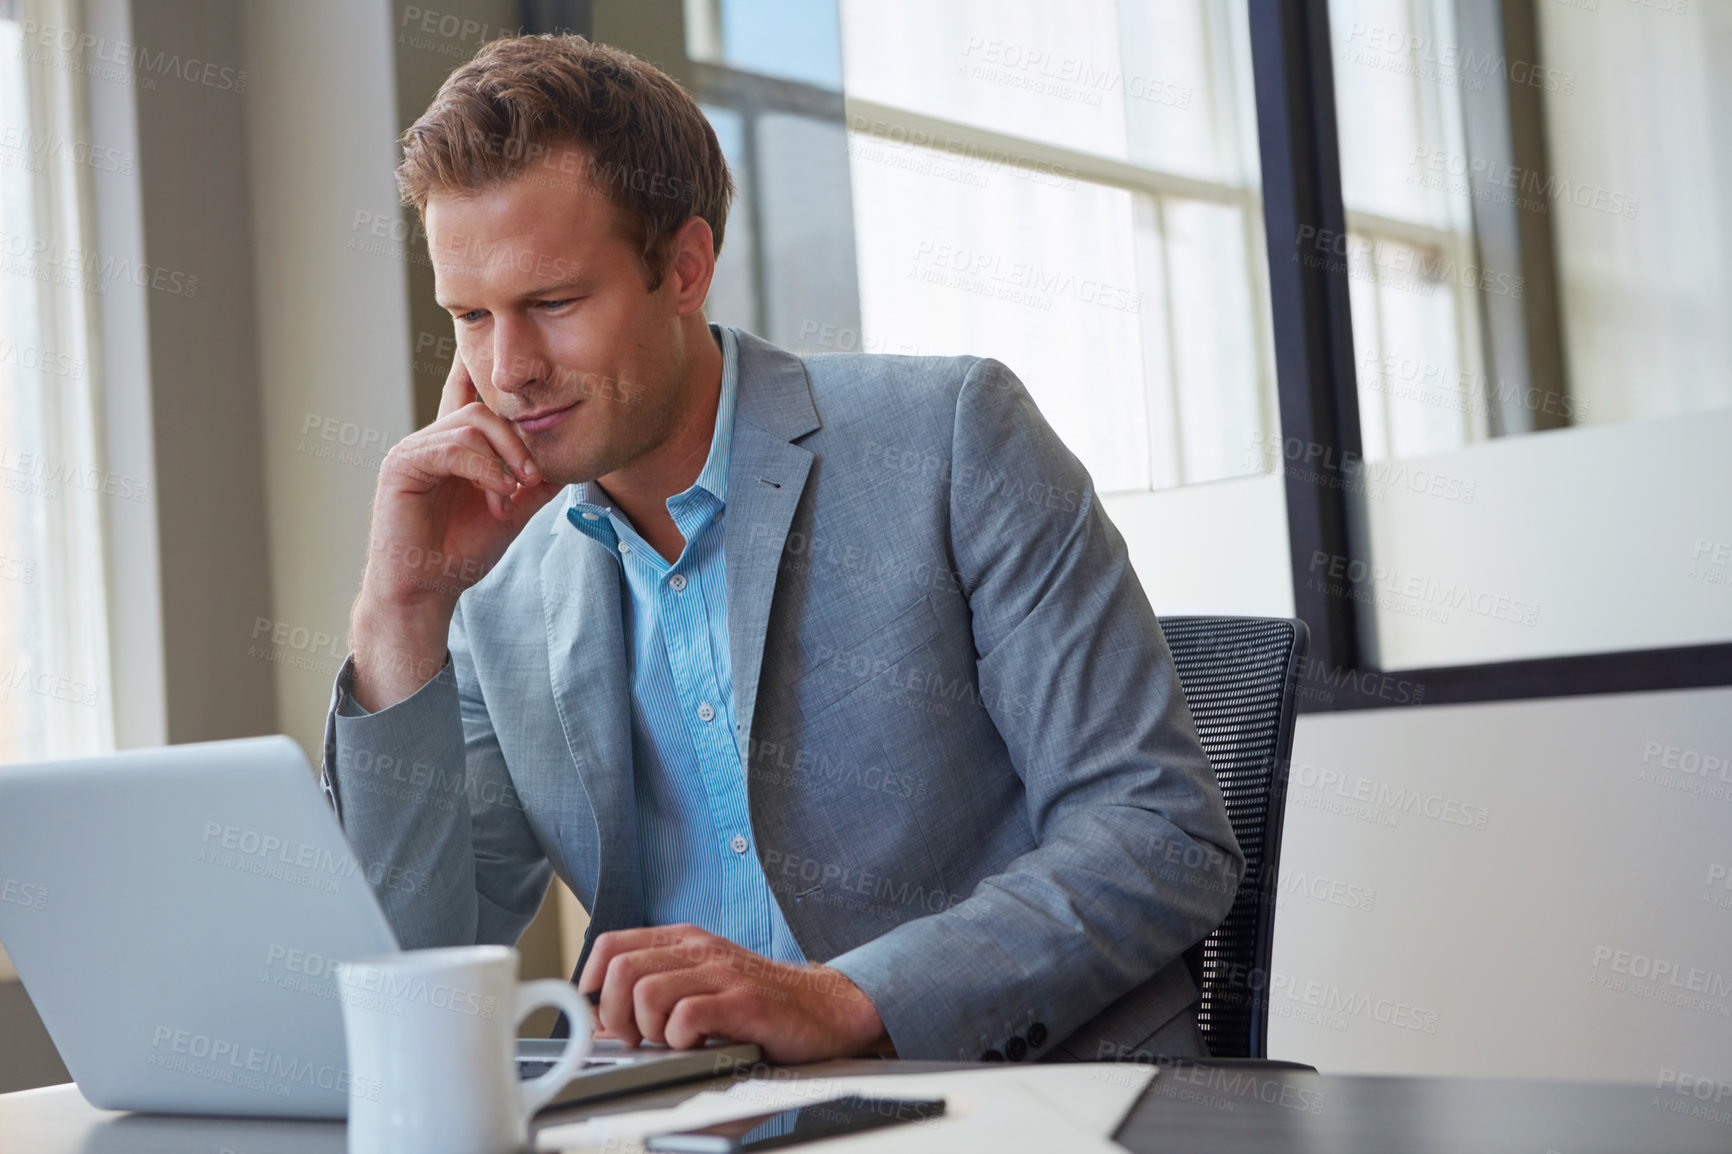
(175, 915)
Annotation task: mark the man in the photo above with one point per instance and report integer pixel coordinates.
(825, 684)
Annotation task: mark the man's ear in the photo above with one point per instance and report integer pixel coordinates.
(692, 264)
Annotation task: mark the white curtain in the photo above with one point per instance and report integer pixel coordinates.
(55, 692)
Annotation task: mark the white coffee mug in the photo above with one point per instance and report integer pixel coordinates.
(432, 1050)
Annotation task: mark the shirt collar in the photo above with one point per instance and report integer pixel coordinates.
(713, 479)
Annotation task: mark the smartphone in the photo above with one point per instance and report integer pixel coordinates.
(829, 1119)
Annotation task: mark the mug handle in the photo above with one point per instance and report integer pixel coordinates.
(561, 995)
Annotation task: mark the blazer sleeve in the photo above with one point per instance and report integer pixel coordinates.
(425, 797)
(1136, 860)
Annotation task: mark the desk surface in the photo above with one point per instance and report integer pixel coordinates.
(1206, 1110)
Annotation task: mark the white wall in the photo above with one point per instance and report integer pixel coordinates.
(1508, 942)
(1214, 548)
(1599, 530)
(1458, 881)
(333, 322)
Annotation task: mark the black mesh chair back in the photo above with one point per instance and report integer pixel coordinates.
(1239, 675)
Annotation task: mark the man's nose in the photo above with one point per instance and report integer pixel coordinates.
(517, 358)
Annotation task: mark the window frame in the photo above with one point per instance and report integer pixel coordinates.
(871, 119)
(1317, 390)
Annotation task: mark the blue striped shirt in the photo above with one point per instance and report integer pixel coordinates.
(694, 831)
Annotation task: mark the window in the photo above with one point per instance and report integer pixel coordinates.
(54, 694)
(1527, 232)
(1541, 234)
(767, 73)
(788, 39)
(1410, 244)
(1538, 203)
(1073, 189)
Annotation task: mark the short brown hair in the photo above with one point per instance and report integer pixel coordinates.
(649, 149)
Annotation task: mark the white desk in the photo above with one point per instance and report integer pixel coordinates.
(57, 1120)
(1188, 1110)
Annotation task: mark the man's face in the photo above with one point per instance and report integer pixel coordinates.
(554, 321)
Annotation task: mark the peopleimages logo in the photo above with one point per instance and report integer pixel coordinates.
(41, 475)
(1318, 463)
(1018, 282)
(47, 259)
(1352, 577)
(1437, 385)
(40, 38)
(19, 677)
(32, 897)
(1661, 972)
(37, 360)
(1685, 1087)
(1378, 802)
(267, 855)
(1330, 890)
(1332, 1001)
(1532, 189)
(374, 988)
(1685, 761)
(1449, 64)
(1369, 682)
(222, 1060)
(1064, 77)
(1407, 267)
(1719, 878)
(19, 148)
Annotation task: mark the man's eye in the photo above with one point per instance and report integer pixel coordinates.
(559, 304)
(471, 316)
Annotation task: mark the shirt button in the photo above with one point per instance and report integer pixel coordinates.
(706, 711)
(738, 845)
(625, 546)
(678, 581)
(592, 516)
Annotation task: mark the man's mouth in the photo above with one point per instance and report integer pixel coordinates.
(543, 419)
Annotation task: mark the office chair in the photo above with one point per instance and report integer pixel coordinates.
(1239, 675)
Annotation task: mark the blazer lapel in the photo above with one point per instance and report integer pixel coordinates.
(580, 594)
(766, 476)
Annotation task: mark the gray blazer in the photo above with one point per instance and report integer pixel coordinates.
(974, 784)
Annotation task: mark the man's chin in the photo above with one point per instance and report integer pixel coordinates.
(561, 463)
(561, 471)
(560, 478)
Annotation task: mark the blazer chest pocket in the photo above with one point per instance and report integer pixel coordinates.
(838, 671)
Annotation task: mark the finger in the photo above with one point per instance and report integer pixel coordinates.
(618, 1005)
(459, 390)
(616, 942)
(529, 499)
(502, 435)
(700, 1017)
(503, 491)
(477, 466)
(655, 996)
(481, 464)
(422, 463)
